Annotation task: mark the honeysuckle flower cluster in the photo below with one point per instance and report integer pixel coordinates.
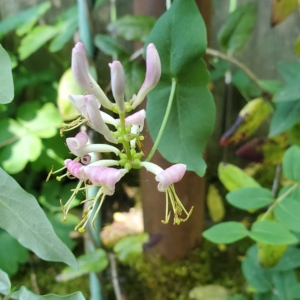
(126, 131)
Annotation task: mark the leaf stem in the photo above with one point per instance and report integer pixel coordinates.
(164, 122)
(278, 200)
(219, 54)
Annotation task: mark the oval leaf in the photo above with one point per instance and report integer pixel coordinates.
(95, 261)
(6, 80)
(234, 178)
(287, 212)
(226, 232)
(180, 38)
(272, 233)
(250, 198)
(23, 218)
(4, 283)
(291, 163)
(215, 204)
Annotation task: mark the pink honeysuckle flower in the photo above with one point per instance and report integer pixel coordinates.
(118, 83)
(83, 76)
(137, 118)
(153, 72)
(79, 147)
(86, 159)
(96, 119)
(107, 179)
(166, 179)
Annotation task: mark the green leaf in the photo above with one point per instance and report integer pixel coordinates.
(24, 20)
(4, 283)
(289, 70)
(95, 261)
(294, 292)
(291, 163)
(271, 86)
(287, 212)
(286, 115)
(215, 204)
(221, 66)
(42, 121)
(273, 233)
(15, 156)
(180, 38)
(25, 294)
(290, 260)
(6, 80)
(65, 28)
(132, 28)
(34, 40)
(11, 253)
(250, 198)
(259, 278)
(290, 92)
(245, 85)
(236, 297)
(128, 248)
(63, 229)
(109, 46)
(23, 218)
(238, 27)
(234, 178)
(283, 282)
(226, 232)
(134, 74)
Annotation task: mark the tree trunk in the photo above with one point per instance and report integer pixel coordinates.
(176, 241)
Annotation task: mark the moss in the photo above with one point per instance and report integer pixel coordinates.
(155, 278)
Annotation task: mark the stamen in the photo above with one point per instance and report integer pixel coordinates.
(67, 206)
(58, 178)
(97, 211)
(167, 217)
(50, 173)
(74, 124)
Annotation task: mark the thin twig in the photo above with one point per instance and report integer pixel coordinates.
(114, 275)
(136, 54)
(219, 54)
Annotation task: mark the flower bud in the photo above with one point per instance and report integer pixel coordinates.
(153, 72)
(118, 83)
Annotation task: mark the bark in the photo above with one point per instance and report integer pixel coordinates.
(177, 241)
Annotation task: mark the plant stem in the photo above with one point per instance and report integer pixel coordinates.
(164, 122)
(123, 127)
(219, 54)
(278, 200)
(114, 275)
(276, 180)
(232, 6)
(168, 4)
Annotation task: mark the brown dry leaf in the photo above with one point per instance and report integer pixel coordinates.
(281, 9)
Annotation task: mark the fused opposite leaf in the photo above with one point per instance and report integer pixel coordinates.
(180, 38)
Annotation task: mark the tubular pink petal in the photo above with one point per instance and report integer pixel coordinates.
(118, 83)
(137, 118)
(84, 78)
(169, 176)
(74, 144)
(76, 169)
(104, 176)
(86, 159)
(153, 72)
(78, 102)
(96, 120)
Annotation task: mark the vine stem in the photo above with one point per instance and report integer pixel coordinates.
(164, 122)
(219, 54)
(278, 200)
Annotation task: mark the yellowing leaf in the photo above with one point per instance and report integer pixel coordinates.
(215, 204)
(281, 9)
(234, 178)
